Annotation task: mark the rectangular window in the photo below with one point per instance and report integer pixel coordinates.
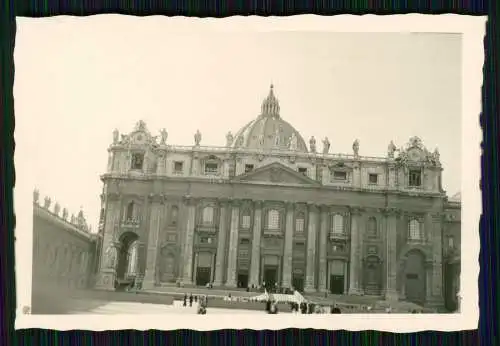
(248, 168)
(244, 241)
(303, 170)
(451, 242)
(172, 238)
(178, 167)
(137, 160)
(412, 276)
(299, 225)
(373, 179)
(273, 219)
(340, 176)
(245, 222)
(211, 168)
(415, 178)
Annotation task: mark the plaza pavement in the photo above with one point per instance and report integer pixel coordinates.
(114, 308)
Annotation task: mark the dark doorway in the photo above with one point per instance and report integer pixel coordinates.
(202, 276)
(127, 241)
(270, 276)
(415, 279)
(337, 284)
(242, 280)
(298, 283)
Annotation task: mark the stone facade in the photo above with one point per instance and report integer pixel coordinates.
(267, 208)
(64, 251)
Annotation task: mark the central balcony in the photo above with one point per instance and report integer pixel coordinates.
(273, 232)
(210, 229)
(133, 222)
(338, 236)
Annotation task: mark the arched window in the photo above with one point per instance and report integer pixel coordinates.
(337, 224)
(273, 219)
(208, 215)
(299, 223)
(246, 219)
(371, 227)
(129, 214)
(414, 230)
(132, 259)
(173, 215)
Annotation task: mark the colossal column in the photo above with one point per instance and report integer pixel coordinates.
(187, 277)
(157, 206)
(355, 252)
(391, 260)
(233, 245)
(221, 244)
(288, 249)
(323, 243)
(311, 249)
(257, 232)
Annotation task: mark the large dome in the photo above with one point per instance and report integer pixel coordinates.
(269, 131)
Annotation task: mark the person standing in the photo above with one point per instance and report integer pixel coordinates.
(185, 299)
(191, 300)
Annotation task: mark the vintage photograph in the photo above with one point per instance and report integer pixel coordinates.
(218, 172)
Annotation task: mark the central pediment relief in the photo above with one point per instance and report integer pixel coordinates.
(276, 173)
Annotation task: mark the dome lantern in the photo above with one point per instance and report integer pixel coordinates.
(270, 106)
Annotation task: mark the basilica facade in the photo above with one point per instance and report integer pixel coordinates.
(270, 208)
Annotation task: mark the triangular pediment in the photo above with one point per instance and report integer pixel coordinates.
(276, 173)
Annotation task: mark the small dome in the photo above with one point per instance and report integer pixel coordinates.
(456, 197)
(269, 131)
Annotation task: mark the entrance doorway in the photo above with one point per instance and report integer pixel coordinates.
(372, 277)
(203, 268)
(270, 276)
(336, 276)
(202, 276)
(242, 280)
(298, 282)
(337, 284)
(415, 277)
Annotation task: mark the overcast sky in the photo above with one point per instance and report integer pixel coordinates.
(76, 80)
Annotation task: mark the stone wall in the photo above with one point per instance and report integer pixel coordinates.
(64, 254)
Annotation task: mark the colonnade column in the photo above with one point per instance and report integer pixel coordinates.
(152, 248)
(323, 244)
(391, 260)
(257, 234)
(187, 277)
(288, 248)
(355, 252)
(311, 249)
(233, 245)
(221, 244)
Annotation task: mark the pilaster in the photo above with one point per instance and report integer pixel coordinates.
(436, 299)
(323, 244)
(157, 205)
(187, 277)
(391, 292)
(355, 266)
(311, 249)
(221, 244)
(233, 244)
(107, 272)
(257, 233)
(288, 249)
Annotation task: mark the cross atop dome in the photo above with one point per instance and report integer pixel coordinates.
(270, 106)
